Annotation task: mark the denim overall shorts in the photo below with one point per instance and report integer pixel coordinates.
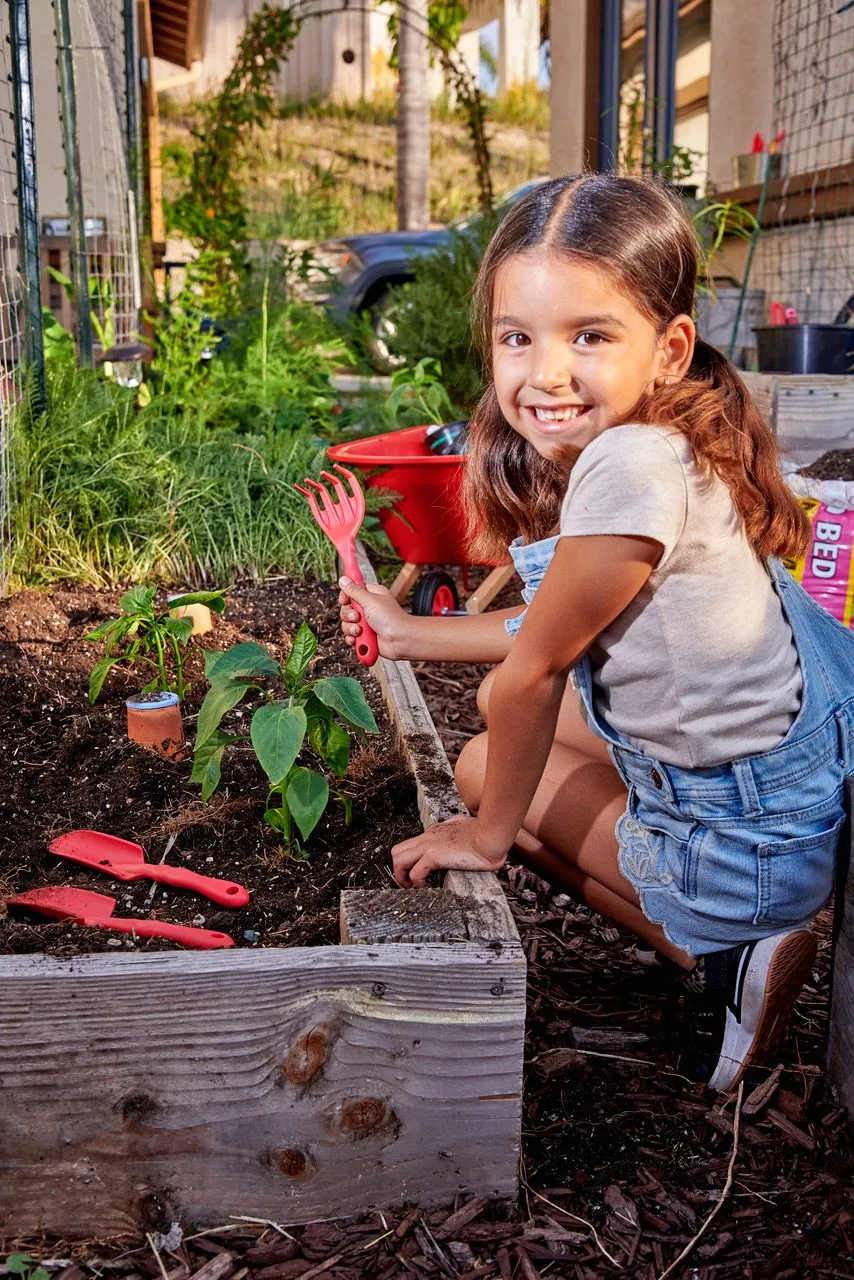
(746, 849)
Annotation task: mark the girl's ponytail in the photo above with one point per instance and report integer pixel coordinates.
(713, 409)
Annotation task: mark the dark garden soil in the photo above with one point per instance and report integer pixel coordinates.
(69, 765)
(626, 1162)
(838, 464)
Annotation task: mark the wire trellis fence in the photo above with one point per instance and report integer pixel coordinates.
(80, 89)
(11, 295)
(809, 263)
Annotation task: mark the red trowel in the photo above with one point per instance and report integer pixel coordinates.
(126, 861)
(96, 909)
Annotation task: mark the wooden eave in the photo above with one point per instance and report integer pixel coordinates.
(178, 29)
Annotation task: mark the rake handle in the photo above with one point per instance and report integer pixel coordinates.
(367, 646)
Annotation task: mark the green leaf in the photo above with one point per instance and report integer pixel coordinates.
(307, 796)
(215, 600)
(211, 657)
(331, 741)
(312, 706)
(302, 651)
(19, 1263)
(104, 628)
(246, 659)
(180, 628)
(139, 600)
(98, 675)
(344, 694)
(218, 699)
(207, 762)
(277, 735)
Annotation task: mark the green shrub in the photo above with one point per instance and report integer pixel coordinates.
(196, 485)
(99, 500)
(432, 313)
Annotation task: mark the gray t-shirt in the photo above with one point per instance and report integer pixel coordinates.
(701, 667)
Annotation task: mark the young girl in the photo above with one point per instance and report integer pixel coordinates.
(688, 782)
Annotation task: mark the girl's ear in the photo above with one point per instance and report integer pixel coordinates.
(677, 349)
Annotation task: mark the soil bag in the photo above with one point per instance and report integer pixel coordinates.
(827, 569)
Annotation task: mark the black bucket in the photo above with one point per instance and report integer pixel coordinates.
(805, 348)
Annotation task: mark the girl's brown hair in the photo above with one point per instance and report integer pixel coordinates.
(639, 233)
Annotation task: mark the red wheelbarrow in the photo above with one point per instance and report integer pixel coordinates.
(426, 526)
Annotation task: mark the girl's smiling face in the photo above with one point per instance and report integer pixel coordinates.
(571, 354)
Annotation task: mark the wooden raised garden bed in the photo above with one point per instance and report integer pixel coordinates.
(286, 1083)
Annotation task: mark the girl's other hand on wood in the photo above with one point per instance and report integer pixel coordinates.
(382, 613)
(451, 844)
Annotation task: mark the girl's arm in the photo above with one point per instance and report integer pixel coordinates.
(589, 583)
(479, 638)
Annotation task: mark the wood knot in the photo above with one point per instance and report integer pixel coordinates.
(307, 1056)
(137, 1107)
(292, 1162)
(363, 1115)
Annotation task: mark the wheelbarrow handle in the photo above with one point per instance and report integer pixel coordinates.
(367, 646)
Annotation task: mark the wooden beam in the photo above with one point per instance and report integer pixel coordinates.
(822, 193)
(293, 1084)
(692, 98)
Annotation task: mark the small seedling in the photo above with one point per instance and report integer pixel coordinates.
(141, 633)
(325, 712)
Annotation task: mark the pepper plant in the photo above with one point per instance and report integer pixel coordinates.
(142, 634)
(323, 712)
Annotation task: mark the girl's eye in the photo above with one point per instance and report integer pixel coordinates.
(588, 339)
(514, 339)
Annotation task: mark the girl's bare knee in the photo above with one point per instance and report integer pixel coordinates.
(470, 771)
(484, 692)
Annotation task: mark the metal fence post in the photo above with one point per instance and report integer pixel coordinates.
(68, 104)
(131, 95)
(28, 200)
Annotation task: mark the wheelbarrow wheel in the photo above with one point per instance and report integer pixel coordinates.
(434, 593)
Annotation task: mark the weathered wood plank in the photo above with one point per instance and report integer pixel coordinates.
(840, 1049)
(389, 915)
(292, 1084)
(488, 917)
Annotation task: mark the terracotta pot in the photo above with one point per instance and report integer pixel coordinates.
(154, 721)
(200, 614)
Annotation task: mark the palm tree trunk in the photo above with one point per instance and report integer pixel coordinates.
(413, 118)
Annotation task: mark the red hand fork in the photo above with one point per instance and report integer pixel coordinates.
(341, 521)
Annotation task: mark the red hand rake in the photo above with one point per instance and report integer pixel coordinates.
(341, 521)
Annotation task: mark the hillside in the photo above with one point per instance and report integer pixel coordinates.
(324, 169)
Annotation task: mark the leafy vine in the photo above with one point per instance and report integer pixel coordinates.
(212, 211)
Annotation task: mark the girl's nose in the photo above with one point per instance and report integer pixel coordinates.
(550, 370)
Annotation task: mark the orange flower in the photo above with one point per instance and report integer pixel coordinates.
(210, 213)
